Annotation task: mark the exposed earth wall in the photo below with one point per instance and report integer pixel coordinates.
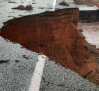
(54, 34)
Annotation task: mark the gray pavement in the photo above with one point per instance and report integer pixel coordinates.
(58, 78)
(15, 74)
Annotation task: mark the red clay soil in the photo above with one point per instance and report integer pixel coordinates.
(94, 57)
(54, 36)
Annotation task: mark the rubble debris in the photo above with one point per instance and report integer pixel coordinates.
(46, 10)
(4, 61)
(64, 3)
(26, 57)
(88, 74)
(20, 15)
(19, 66)
(29, 7)
(7, 40)
(21, 7)
(14, 17)
(22, 47)
(94, 53)
(49, 7)
(33, 3)
(17, 61)
(41, 7)
(42, 56)
(93, 77)
(12, 2)
(9, 16)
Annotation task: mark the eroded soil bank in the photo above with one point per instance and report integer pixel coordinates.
(54, 34)
(94, 57)
(91, 33)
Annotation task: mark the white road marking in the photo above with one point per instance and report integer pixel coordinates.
(38, 72)
(54, 4)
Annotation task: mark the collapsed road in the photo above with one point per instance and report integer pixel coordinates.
(88, 14)
(54, 45)
(88, 10)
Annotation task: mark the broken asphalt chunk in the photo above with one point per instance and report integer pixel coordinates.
(12, 2)
(21, 7)
(26, 57)
(17, 61)
(64, 3)
(4, 61)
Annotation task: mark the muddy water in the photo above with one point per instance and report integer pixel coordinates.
(91, 32)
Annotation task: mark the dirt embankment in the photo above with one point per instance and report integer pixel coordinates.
(54, 35)
(94, 57)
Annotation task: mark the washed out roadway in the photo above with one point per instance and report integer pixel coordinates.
(17, 64)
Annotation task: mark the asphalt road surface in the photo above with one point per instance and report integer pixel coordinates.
(24, 70)
(17, 70)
